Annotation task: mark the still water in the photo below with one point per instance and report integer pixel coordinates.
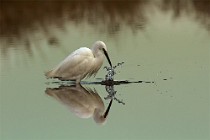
(165, 44)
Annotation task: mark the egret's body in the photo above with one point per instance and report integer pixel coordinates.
(82, 63)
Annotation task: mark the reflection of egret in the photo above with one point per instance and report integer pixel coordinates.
(84, 103)
(81, 63)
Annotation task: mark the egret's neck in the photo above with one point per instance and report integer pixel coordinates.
(95, 52)
(99, 56)
(99, 59)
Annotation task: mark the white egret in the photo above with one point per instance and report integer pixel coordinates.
(83, 62)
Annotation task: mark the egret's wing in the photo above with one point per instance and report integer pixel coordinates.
(75, 64)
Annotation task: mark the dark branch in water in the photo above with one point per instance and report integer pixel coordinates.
(109, 77)
(112, 82)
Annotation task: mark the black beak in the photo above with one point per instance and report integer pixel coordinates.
(107, 56)
(108, 108)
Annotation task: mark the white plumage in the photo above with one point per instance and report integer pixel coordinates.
(83, 62)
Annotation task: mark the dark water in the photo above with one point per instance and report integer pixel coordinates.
(166, 49)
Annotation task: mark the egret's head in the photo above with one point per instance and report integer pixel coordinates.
(99, 46)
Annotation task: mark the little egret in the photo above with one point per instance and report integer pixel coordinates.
(83, 62)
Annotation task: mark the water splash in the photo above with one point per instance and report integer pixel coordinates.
(111, 94)
(110, 74)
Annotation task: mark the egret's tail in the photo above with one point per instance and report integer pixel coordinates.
(49, 74)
